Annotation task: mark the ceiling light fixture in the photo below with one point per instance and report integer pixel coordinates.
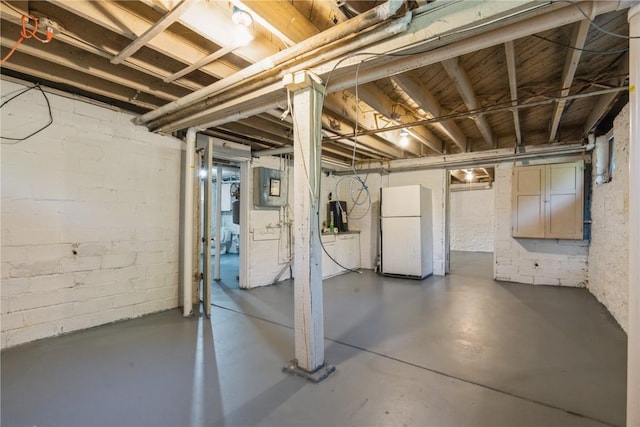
(469, 175)
(404, 138)
(241, 17)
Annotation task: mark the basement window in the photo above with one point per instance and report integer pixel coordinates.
(472, 178)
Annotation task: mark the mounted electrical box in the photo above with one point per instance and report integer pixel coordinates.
(269, 188)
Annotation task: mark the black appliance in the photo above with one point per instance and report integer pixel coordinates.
(339, 209)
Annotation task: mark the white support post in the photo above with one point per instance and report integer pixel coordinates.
(308, 318)
(633, 342)
(187, 249)
(206, 234)
(218, 220)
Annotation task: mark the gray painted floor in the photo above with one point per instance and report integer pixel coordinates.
(446, 351)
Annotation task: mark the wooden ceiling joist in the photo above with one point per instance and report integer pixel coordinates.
(465, 88)
(578, 39)
(510, 53)
(152, 31)
(425, 99)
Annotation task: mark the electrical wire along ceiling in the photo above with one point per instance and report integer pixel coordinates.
(404, 79)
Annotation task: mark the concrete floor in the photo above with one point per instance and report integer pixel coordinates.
(445, 351)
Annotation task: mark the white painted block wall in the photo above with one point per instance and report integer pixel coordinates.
(93, 184)
(364, 213)
(609, 252)
(532, 261)
(268, 238)
(472, 220)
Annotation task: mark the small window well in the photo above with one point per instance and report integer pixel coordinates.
(472, 178)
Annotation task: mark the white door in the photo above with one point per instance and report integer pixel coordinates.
(402, 246)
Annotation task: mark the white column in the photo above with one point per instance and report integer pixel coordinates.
(309, 322)
(218, 219)
(633, 342)
(206, 234)
(187, 249)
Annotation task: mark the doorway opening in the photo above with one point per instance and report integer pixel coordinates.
(471, 221)
(227, 236)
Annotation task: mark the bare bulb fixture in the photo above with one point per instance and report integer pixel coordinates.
(241, 17)
(469, 175)
(404, 138)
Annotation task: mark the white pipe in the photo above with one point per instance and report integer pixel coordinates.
(340, 31)
(187, 250)
(218, 219)
(633, 341)
(471, 159)
(273, 152)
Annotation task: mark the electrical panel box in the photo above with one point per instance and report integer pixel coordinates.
(269, 188)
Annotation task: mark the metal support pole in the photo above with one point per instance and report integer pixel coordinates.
(308, 318)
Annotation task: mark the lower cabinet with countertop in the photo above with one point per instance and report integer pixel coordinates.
(343, 247)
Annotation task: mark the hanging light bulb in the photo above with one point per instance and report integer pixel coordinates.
(241, 17)
(469, 175)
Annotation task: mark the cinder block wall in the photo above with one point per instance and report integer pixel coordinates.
(90, 218)
(472, 220)
(608, 275)
(533, 261)
(268, 238)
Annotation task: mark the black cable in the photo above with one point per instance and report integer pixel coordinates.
(597, 52)
(17, 140)
(592, 22)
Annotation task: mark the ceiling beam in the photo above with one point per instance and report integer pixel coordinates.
(88, 64)
(113, 17)
(379, 101)
(281, 18)
(101, 42)
(465, 88)
(370, 142)
(510, 53)
(604, 102)
(155, 29)
(201, 63)
(41, 69)
(578, 38)
(424, 98)
(343, 104)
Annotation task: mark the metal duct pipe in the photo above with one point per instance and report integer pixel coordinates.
(371, 17)
(187, 250)
(273, 152)
(170, 122)
(474, 160)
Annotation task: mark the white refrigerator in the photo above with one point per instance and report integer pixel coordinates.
(407, 235)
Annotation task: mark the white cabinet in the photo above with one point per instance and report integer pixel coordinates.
(348, 250)
(329, 268)
(548, 201)
(344, 248)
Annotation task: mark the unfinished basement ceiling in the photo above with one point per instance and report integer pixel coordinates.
(539, 73)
